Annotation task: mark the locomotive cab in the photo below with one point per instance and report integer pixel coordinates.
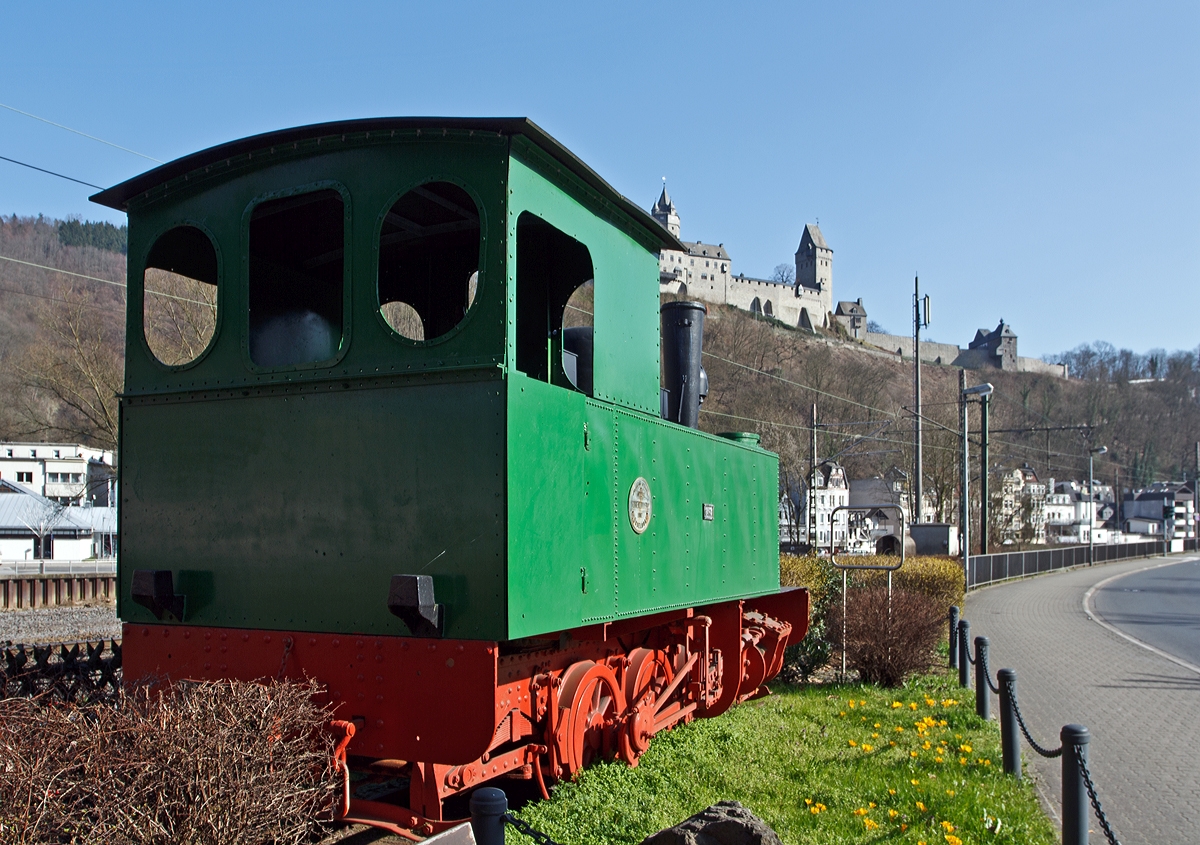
(392, 400)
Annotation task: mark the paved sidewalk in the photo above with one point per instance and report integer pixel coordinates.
(1142, 710)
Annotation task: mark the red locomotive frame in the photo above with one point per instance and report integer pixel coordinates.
(453, 714)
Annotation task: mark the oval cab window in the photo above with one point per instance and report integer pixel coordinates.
(429, 260)
(179, 296)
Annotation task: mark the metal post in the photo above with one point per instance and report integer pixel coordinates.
(488, 806)
(1010, 739)
(983, 700)
(1074, 793)
(964, 654)
(1092, 511)
(954, 637)
(811, 516)
(983, 474)
(918, 482)
(964, 503)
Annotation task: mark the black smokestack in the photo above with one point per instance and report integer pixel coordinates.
(682, 342)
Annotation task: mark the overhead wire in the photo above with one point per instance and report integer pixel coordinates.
(77, 132)
(103, 281)
(51, 172)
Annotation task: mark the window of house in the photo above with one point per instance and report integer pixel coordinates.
(33, 453)
(75, 477)
(297, 261)
(9, 451)
(53, 478)
(57, 454)
(429, 254)
(25, 477)
(179, 299)
(555, 296)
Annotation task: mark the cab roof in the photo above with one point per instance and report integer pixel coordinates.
(119, 196)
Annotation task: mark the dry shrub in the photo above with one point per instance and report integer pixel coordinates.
(210, 763)
(887, 641)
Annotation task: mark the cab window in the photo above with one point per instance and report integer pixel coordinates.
(297, 273)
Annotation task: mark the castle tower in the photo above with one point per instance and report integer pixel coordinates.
(814, 268)
(664, 212)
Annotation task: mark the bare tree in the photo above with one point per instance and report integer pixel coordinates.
(785, 274)
(69, 377)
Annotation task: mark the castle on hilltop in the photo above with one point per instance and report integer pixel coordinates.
(705, 272)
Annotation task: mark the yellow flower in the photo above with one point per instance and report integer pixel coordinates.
(937, 760)
(965, 747)
(951, 839)
(821, 807)
(926, 745)
(949, 827)
(899, 729)
(813, 810)
(915, 782)
(941, 723)
(871, 804)
(948, 702)
(843, 713)
(912, 754)
(891, 792)
(867, 748)
(876, 724)
(892, 743)
(903, 827)
(962, 761)
(870, 825)
(921, 806)
(861, 811)
(874, 736)
(852, 704)
(862, 704)
(807, 800)
(892, 814)
(896, 705)
(958, 736)
(853, 744)
(950, 792)
(929, 702)
(912, 705)
(987, 762)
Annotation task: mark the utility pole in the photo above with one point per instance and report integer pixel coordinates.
(920, 318)
(983, 474)
(811, 517)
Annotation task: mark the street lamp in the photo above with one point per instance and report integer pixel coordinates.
(964, 519)
(1092, 453)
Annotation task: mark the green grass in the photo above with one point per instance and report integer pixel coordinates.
(806, 749)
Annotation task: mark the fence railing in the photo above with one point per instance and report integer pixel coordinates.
(1004, 566)
(1078, 788)
(59, 567)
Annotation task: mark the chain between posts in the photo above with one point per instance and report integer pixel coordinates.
(1091, 791)
(527, 829)
(987, 675)
(1012, 695)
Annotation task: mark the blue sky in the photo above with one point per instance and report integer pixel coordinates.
(1033, 162)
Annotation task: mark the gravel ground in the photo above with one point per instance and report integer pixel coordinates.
(59, 624)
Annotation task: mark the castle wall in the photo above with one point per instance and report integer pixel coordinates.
(1036, 365)
(934, 353)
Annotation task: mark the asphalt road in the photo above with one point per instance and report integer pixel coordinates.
(1160, 607)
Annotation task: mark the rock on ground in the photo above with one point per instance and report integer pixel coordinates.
(724, 823)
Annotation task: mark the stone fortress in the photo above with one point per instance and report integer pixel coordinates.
(705, 272)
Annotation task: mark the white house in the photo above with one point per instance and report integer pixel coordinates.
(67, 473)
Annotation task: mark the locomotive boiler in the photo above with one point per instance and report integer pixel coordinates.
(394, 419)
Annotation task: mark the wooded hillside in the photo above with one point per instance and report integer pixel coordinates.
(62, 342)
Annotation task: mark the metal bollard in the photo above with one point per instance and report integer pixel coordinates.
(488, 806)
(954, 636)
(1074, 794)
(1010, 738)
(964, 654)
(983, 698)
